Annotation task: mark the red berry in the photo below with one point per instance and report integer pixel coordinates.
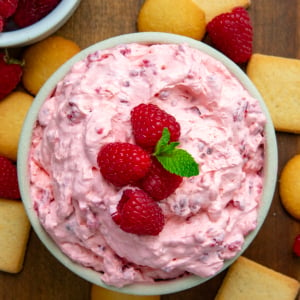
(31, 11)
(123, 163)
(296, 246)
(158, 182)
(148, 122)
(8, 7)
(138, 213)
(10, 74)
(9, 188)
(1, 23)
(232, 34)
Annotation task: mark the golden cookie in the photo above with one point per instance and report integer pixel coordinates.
(213, 8)
(14, 233)
(248, 280)
(277, 79)
(99, 293)
(43, 58)
(13, 110)
(181, 17)
(289, 186)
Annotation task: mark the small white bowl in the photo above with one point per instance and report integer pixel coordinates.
(41, 29)
(162, 287)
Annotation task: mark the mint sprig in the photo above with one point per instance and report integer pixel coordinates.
(175, 160)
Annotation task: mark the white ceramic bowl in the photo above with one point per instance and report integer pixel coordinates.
(163, 287)
(41, 29)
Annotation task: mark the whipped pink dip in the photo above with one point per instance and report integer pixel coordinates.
(208, 216)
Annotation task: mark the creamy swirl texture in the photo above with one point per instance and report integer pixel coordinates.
(208, 216)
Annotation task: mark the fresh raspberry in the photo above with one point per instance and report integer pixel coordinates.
(158, 182)
(123, 163)
(148, 122)
(296, 246)
(8, 7)
(138, 213)
(232, 34)
(9, 188)
(1, 23)
(31, 11)
(10, 74)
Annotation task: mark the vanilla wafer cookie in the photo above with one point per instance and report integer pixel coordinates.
(44, 58)
(13, 110)
(289, 186)
(213, 8)
(248, 280)
(181, 17)
(14, 232)
(277, 79)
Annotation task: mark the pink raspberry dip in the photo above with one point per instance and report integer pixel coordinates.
(208, 216)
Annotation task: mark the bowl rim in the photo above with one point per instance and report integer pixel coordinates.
(270, 165)
(41, 29)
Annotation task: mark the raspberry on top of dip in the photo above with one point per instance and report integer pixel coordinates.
(206, 218)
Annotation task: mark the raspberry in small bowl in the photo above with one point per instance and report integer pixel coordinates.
(148, 163)
(26, 22)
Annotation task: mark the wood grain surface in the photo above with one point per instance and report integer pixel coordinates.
(276, 31)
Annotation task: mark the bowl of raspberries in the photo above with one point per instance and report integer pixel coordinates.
(147, 163)
(23, 22)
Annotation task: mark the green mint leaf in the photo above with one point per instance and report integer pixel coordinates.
(168, 148)
(179, 162)
(163, 145)
(174, 160)
(163, 141)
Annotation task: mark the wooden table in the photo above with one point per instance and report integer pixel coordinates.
(276, 32)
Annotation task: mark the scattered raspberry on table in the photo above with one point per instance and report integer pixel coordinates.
(10, 73)
(9, 188)
(296, 246)
(232, 34)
